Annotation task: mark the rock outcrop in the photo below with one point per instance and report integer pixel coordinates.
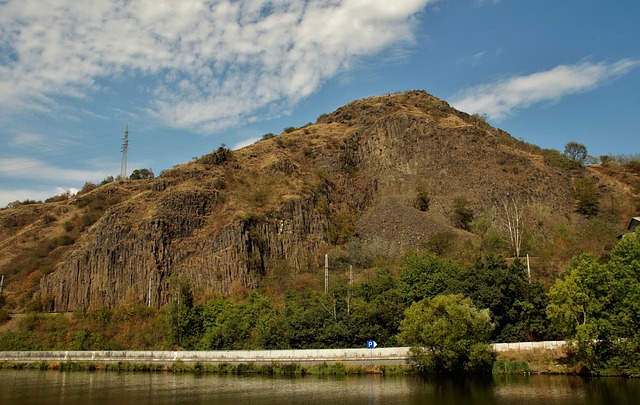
(226, 220)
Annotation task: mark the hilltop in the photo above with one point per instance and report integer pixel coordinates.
(376, 177)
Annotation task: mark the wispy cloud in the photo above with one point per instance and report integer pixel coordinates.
(245, 142)
(34, 169)
(504, 97)
(27, 139)
(205, 65)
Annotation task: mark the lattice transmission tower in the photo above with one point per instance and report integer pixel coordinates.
(125, 147)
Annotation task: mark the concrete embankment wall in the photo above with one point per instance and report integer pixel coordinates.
(379, 356)
(551, 344)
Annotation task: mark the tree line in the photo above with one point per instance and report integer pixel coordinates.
(447, 312)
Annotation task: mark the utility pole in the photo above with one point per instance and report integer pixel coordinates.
(326, 273)
(149, 297)
(125, 147)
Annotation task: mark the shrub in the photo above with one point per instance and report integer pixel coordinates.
(462, 214)
(586, 194)
(422, 201)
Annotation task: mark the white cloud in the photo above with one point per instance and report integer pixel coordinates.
(245, 142)
(70, 191)
(26, 139)
(207, 64)
(44, 179)
(10, 195)
(33, 169)
(502, 98)
(36, 193)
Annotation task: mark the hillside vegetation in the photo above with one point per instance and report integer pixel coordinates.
(382, 185)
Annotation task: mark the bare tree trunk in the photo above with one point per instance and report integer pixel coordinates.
(511, 219)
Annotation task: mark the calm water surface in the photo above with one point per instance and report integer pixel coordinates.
(21, 387)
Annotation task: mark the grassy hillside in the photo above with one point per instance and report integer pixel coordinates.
(366, 183)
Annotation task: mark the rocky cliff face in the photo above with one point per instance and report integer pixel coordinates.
(227, 219)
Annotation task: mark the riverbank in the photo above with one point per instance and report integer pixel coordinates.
(337, 368)
(540, 358)
(558, 360)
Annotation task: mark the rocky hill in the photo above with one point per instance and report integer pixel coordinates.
(392, 170)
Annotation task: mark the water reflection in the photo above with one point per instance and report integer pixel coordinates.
(20, 387)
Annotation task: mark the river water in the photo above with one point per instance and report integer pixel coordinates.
(18, 387)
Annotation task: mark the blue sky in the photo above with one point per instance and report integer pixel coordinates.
(190, 75)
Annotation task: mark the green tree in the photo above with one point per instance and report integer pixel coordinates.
(580, 296)
(424, 275)
(517, 306)
(183, 318)
(575, 151)
(597, 306)
(238, 325)
(140, 174)
(447, 334)
(441, 243)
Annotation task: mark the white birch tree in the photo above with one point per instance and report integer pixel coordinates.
(511, 219)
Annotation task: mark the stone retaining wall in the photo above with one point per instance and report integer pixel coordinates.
(380, 356)
(551, 344)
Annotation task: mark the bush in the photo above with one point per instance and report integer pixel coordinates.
(510, 367)
(422, 201)
(4, 316)
(448, 335)
(586, 194)
(462, 214)
(556, 159)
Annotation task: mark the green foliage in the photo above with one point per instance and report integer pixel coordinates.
(575, 151)
(107, 180)
(15, 341)
(447, 334)
(517, 306)
(556, 159)
(462, 216)
(4, 315)
(510, 367)
(268, 135)
(597, 305)
(424, 275)
(586, 194)
(441, 243)
(341, 226)
(141, 174)
(250, 324)
(365, 255)
(183, 318)
(579, 295)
